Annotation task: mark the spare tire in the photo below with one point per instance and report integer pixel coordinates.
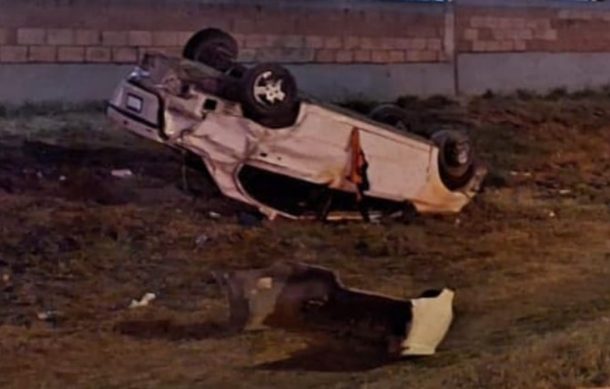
(456, 160)
(212, 47)
(269, 95)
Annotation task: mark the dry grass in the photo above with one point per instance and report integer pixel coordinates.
(530, 260)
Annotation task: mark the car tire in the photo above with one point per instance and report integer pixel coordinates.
(396, 117)
(214, 48)
(269, 95)
(456, 160)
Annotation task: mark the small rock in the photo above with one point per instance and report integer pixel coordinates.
(48, 315)
(39, 175)
(552, 214)
(214, 215)
(62, 178)
(202, 240)
(6, 278)
(122, 173)
(564, 192)
(515, 173)
(144, 301)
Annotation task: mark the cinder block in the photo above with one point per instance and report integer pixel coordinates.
(124, 55)
(269, 54)
(429, 56)
(115, 38)
(173, 51)
(325, 55)
(291, 41)
(13, 54)
(380, 56)
(494, 46)
(344, 56)
(478, 21)
(403, 43)
(185, 36)
(422, 56)
(314, 41)
(397, 56)
(257, 41)
(3, 36)
(517, 23)
(351, 42)
(165, 38)
(520, 45)
(71, 54)
(418, 44)
(88, 37)
(549, 35)
(140, 38)
(98, 54)
(60, 37)
(503, 23)
(31, 36)
(41, 54)
(479, 46)
(368, 43)
(413, 56)
(387, 43)
(247, 55)
(434, 44)
(332, 42)
(471, 34)
(507, 45)
(362, 56)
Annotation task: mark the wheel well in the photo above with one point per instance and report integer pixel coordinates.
(198, 37)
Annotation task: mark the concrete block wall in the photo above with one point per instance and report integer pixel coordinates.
(337, 49)
(484, 29)
(97, 31)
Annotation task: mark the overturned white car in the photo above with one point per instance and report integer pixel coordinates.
(266, 145)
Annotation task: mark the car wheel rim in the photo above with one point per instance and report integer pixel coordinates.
(459, 153)
(268, 90)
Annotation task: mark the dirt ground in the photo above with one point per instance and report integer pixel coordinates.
(529, 260)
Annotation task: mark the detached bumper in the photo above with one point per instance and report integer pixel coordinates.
(299, 297)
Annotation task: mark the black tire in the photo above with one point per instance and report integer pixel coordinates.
(396, 117)
(212, 47)
(456, 160)
(269, 96)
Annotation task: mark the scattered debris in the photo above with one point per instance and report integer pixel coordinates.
(515, 173)
(48, 315)
(122, 173)
(145, 301)
(202, 240)
(300, 297)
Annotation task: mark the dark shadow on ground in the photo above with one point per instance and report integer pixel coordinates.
(169, 330)
(334, 355)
